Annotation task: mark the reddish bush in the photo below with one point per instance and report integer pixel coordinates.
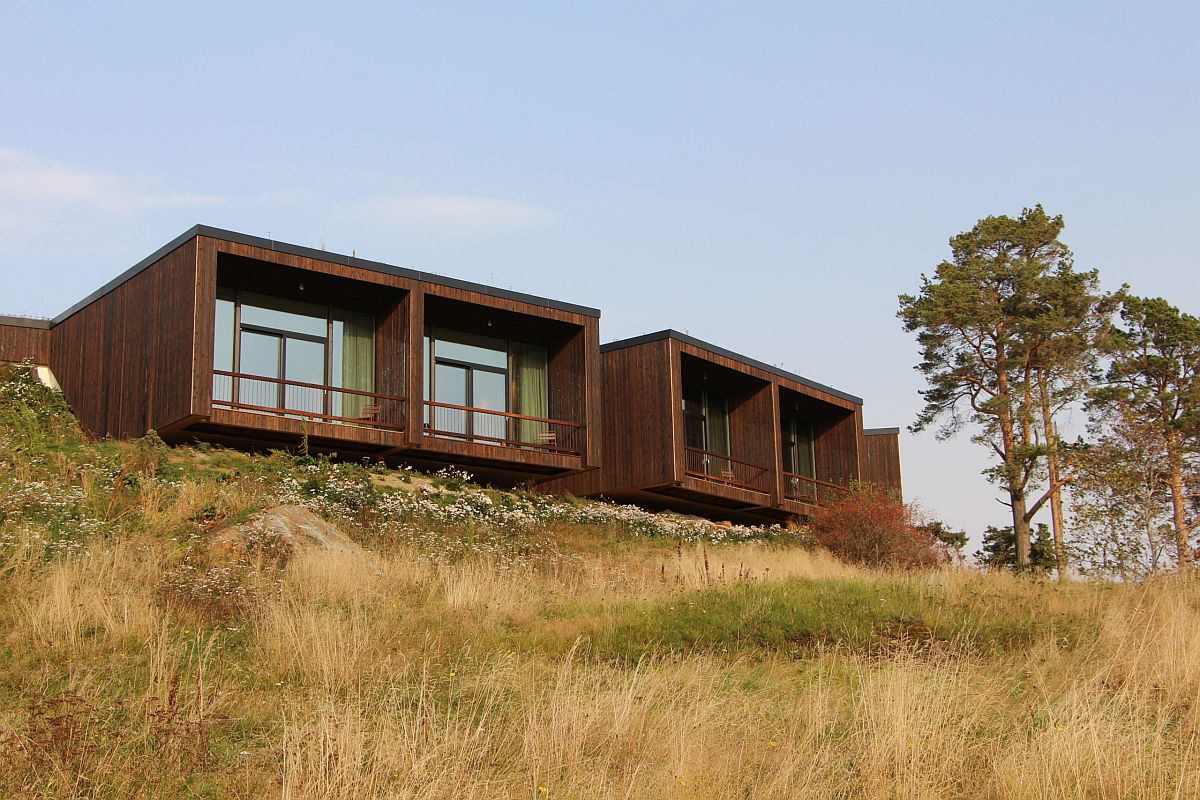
(867, 526)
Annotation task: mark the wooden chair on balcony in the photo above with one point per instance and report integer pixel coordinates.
(548, 439)
(728, 476)
(370, 412)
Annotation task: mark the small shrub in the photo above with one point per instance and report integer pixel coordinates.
(867, 526)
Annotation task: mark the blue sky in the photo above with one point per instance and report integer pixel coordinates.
(765, 176)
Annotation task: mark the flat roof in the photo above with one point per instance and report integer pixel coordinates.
(721, 351)
(323, 255)
(25, 322)
(881, 431)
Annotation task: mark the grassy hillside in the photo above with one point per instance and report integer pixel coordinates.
(513, 646)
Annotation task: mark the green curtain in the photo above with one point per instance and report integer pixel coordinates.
(718, 424)
(804, 450)
(717, 414)
(531, 390)
(357, 368)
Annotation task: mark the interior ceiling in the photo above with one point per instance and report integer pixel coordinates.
(698, 373)
(299, 284)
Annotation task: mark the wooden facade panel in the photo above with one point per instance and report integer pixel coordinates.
(124, 361)
(881, 459)
(639, 404)
(836, 447)
(391, 358)
(565, 378)
(315, 429)
(19, 342)
(635, 428)
(752, 427)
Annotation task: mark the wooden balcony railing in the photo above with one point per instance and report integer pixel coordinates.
(726, 469)
(503, 428)
(296, 399)
(810, 490)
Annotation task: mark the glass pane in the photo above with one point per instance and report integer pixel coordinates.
(428, 370)
(488, 391)
(259, 356)
(471, 348)
(304, 362)
(788, 427)
(285, 315)
(449, 386)
(693, 418)
(223, 346)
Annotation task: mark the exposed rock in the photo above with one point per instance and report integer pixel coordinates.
(281, 531)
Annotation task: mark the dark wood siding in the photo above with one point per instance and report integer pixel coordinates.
(636, 424)
(881, 461)
(19, 342)
(837, 447)
(124, 361)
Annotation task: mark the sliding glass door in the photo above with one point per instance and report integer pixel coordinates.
(799, 456)
(706, 429)
(469, 377)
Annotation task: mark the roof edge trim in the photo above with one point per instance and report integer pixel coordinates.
(41, 323)
(670, 333)
(322, 255)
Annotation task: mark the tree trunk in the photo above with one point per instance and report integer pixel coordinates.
(1020, 529)
(1178, 498)
(1053, 473)
(1016, 489)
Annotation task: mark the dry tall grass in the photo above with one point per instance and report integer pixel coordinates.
(468, 681)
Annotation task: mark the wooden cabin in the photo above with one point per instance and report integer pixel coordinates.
(253, 343)
(249, 342)
(693, 427)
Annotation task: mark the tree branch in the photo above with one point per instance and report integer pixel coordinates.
(1054, 487)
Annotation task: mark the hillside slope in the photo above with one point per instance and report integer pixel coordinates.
(513, 646)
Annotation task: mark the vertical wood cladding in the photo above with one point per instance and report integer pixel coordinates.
(881, 459)
(391, 376)
(565, 378)
(124, 361)
(593, 402)
(752, 426)
(21, 340)
(636, 427)
(837, 447)
(640, 401)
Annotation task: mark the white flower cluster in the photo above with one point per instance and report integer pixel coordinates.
(451, 500)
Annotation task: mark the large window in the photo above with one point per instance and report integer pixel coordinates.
(468, 375)
(281, 354)
(706, 432)
(799, 457)
(706, 421)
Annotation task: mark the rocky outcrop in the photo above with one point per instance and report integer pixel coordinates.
(279, 533)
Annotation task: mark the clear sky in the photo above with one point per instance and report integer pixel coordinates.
(764, 176)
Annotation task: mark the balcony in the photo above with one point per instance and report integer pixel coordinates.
(503, 429)
(719, 468)
(277, 397)
(804, 489)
